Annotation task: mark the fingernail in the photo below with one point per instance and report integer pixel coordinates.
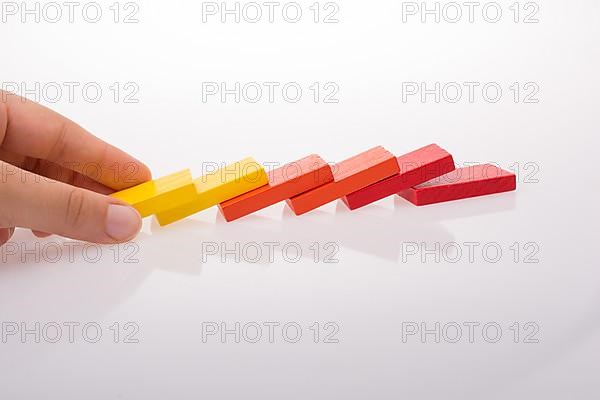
(122, 222)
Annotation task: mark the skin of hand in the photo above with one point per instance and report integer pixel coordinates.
(55, 177)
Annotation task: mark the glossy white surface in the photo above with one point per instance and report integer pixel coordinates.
(171, 286)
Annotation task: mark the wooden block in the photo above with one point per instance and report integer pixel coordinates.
(284, 182)
(416, 167)
(478, 180)
(161, 194)
(217, 187)
(349, 176)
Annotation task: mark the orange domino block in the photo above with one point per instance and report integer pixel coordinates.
(349, 176)
(284, 182)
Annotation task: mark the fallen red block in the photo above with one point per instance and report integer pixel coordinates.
(416, 167)
(284, 182)
(349, 176)
(478, 180)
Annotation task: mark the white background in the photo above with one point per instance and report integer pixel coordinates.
(171, 289)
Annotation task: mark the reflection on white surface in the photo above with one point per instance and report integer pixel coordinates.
(73, 279)
(173, 289)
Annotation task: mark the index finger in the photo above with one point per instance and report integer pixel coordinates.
(35, 131)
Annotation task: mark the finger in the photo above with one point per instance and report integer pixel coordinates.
(13, 158)
(54, 171)
(55, 207)
(5, 235)
(33, 130)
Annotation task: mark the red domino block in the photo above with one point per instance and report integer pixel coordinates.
(349, 176)
(478, 180)
(284, 182)
(416, 167)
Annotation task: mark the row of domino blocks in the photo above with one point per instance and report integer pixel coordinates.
(424, 176)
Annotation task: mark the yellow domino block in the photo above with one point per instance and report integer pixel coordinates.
(217, 187)
(161, 194)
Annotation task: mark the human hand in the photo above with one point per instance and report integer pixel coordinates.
(55, 177)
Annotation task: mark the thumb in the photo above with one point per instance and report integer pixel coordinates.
(31, 201)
